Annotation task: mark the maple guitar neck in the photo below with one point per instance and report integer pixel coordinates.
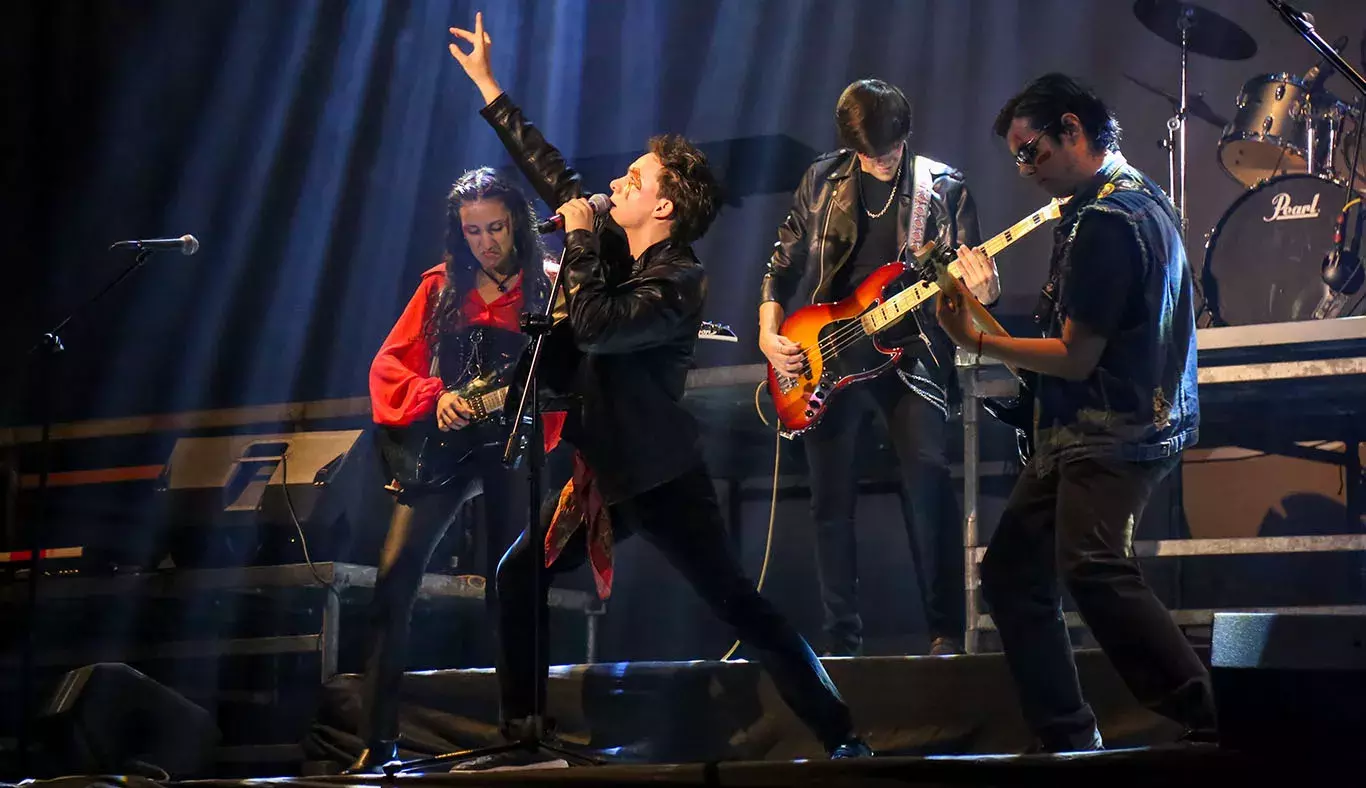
(898, 306)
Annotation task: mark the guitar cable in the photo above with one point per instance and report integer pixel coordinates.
(294, 517)
(772, 504)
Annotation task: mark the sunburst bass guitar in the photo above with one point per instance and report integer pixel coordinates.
(840, 339)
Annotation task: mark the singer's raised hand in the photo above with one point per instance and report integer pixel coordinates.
(476, 61)
(578, 215)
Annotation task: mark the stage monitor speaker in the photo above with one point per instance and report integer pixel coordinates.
(1290, 680)
(233, 500)
(108, 718)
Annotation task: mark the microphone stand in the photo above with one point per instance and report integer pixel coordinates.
(46, 348)
(1304, 25)
(1176, 126)
(525, 437)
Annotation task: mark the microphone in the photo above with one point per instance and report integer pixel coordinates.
(1322, 70)
(600, 203)
(1342, 266)
(1299, 19)
(185, 244)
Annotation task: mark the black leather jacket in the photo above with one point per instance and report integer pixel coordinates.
(633, 324)
(821, 229)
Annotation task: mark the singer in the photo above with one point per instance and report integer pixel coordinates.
(635, 293)
(462, 322)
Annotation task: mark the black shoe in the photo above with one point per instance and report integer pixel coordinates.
(373, 758)
(945, 647)
(1201, 735)
(853, 748)
(1053, 748)
(516, 760)
(843, 650)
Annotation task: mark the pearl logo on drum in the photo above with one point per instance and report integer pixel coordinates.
(1284, 210)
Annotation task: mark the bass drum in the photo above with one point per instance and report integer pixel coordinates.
(1264, 259)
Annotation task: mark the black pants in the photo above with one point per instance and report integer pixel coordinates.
(934, 524)
(414, 533)
(683, 520)
(1078, 520)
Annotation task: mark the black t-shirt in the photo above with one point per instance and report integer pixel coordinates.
(876, 245)
(1099, 291)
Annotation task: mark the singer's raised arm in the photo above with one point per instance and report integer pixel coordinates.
(540, 162)
(544, 167)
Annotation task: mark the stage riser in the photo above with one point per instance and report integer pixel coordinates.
(699, 711)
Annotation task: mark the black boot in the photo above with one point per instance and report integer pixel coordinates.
(373, 758)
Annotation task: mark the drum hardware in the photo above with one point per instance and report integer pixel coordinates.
(1198, 107)
(1280, 127)
(1199, 30)
(1340, 271)
(1264, 259)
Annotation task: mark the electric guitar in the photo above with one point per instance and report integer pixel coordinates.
(420, 458)
(1017, 411)
(841, 339)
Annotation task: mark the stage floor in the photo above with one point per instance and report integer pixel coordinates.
(709, 711)
(933, 720)
(1169, 767)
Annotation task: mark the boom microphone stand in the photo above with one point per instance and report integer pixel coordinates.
(46, 349)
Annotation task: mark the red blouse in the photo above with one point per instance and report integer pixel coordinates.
(402, 389)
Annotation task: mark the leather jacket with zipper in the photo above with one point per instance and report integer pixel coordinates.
(625, 344)
(820, 231)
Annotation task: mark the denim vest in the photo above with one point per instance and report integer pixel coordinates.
(1140, 402)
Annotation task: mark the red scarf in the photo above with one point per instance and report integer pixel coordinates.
(581, 505)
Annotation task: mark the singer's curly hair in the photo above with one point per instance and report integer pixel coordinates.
(527, 251)
(687, 180)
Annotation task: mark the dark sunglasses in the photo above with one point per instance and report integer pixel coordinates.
(1029, 151)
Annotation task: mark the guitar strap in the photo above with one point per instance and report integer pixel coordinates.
(922, 183)
(922, 187)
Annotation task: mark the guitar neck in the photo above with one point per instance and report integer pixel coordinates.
(899, 305)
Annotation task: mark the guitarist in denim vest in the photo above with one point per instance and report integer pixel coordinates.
(1115, 405)
(851, 214)
(462, 322)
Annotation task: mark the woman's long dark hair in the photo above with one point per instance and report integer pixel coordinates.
(528, 253)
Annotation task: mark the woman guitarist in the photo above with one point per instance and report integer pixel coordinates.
(461, 323)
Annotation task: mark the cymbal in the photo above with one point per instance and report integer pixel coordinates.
(1210, 34)
(1196, 106)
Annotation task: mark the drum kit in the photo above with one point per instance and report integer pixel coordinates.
(1296, 147)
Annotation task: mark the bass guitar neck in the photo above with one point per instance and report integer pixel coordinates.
(933, 257)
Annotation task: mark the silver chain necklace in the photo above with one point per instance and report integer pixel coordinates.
(896, 181)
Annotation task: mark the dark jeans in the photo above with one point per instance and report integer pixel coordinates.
(934, 523)
(414, 533)
(1078, 520)
(681, 518)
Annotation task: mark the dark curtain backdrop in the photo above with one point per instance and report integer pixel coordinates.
(308, 144)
